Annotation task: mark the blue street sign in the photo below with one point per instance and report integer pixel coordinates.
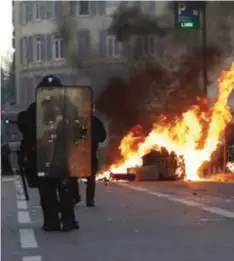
(187, 15)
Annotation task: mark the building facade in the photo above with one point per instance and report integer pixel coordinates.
(39, 49)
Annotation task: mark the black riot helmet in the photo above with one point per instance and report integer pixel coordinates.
(47, 81)
(50, 80)
(53, 102)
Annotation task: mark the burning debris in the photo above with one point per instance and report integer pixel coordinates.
(230, 166)
(193, 137)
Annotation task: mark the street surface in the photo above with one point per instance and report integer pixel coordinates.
(150, 221)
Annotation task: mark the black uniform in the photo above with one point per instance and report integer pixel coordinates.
(6, 164)
(55, 190)
(24, 152)
(98, 135)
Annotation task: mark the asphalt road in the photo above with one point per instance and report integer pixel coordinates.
(151, 221)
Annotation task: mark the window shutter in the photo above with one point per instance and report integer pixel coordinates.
(102, 7)
(102, 37)
(29, 44)
(48, 46)
(21, 90)
(124, 3)
(43, 6)
(21, 52)
(58, 9)
(93, 7)
(84, 43)
(29, 90)
(110, 44)
(37, 79)
(73, 8)
(48, 9)
(151, 7)
(117, 47)
(29, 11)
(24, 90)
(22, 13)
(43, 47)
(65, 49)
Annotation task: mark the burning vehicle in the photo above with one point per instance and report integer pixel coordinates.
(190, 139)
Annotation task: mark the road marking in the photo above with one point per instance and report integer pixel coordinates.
(185, 202)
(21, 193)
(23, 217)
(22, 204)
(7, 179)
(218, 211)
(158, 194)
(32, 258)
(20, 197)
(27, 238)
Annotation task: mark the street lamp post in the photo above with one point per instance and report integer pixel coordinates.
(204, 44)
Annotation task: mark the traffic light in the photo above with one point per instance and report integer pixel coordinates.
(7, 121)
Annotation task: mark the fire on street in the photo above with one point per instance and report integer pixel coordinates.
(193, 138)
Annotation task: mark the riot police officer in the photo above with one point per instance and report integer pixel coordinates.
(98, 135)
(55, 190)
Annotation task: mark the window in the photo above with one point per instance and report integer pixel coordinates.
(37, 52)
(37, 13)
(148, 45)
(24, 51)
(84, 7)
(58, 51)
(113, 47)
(111, 7)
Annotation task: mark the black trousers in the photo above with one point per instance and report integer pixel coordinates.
(91, 182)
(56, 197)
(6, 165)
(75, 188)
(91, 187)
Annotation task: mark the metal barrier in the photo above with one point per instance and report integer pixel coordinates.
(218, 161)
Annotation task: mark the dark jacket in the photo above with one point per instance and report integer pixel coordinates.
(98, 135)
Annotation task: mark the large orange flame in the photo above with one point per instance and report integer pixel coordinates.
(184, 136)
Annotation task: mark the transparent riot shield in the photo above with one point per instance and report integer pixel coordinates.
(64, 131)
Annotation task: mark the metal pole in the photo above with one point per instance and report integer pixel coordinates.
(204, 62)
(225, 154)
(204, 44)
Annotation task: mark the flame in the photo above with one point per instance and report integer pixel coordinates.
(183, 136)
(230, 166)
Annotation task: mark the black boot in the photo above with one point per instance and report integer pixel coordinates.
(69, 227)
(51, 227)
(76, 200)
(90, 203)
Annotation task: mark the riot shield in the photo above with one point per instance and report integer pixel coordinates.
(64, 131)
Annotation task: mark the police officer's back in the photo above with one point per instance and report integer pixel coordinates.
(48, 185)
(98, 134)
